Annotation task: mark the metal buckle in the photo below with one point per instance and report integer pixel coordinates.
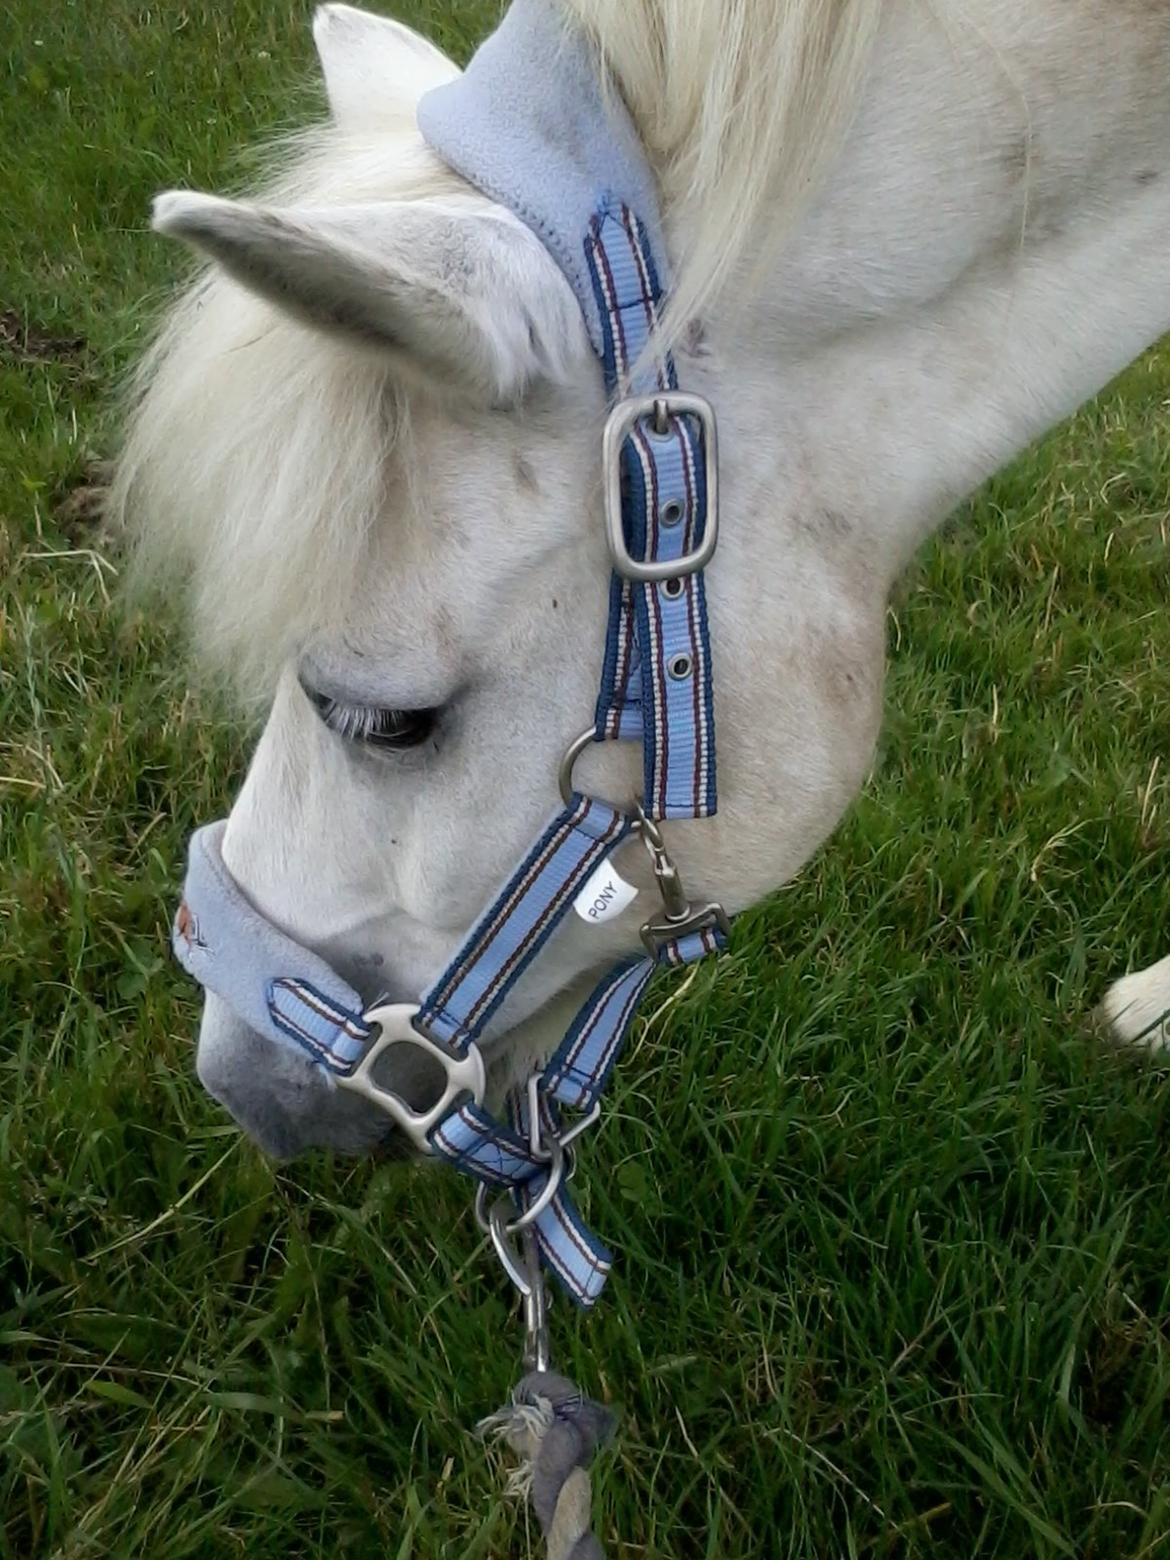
(619, 425)
(464, 1074)
(484, 1217)
(564, 1139)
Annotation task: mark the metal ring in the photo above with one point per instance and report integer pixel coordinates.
(671, 512)
(481, 1208)
(556, 1174)
(568, 763)
(590, 1119)
(495, 1219)
(565, 775)
(680, 668)
(535, 1133)
(513, 1264)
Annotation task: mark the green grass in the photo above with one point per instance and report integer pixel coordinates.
(894, 1244)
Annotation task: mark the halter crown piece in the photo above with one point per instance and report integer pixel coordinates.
(563, 155)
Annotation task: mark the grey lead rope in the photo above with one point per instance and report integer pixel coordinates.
(556, 1432)
(551, 1426)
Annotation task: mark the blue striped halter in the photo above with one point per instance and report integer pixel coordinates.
(587, 192)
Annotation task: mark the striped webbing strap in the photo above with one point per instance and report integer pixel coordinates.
(656, 683)
(656, 688)
(500, 1154)
(520, 920)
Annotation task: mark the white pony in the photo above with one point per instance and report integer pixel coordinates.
(909, 238)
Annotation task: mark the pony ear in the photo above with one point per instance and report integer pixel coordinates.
(463, 292)
(374, 67)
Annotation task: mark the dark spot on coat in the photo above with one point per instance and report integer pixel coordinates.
(1045, 221)
(1145, 176)
(525, 475)
(829, 525)
(695, 342)
(1016, 159)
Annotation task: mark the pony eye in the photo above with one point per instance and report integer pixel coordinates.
(371, 725)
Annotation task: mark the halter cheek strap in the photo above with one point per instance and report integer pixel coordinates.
(566, 159)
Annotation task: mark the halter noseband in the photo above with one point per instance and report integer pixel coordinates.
(566, 160)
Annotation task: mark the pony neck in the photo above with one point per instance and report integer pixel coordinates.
(982, 255)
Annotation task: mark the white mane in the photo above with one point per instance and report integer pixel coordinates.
(739, 103)
(258, 449)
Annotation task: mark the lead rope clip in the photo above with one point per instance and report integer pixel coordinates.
(551, 1427)
(680, 917)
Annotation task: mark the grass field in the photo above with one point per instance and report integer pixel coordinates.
(894, 1256)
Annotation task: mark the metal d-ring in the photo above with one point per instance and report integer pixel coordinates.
(568, 763)
(567, 1137)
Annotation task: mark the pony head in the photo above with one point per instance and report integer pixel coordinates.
(368, 441)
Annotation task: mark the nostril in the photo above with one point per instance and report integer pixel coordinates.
(235, 1066)
(281, 1099)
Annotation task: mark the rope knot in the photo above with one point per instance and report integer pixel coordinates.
(556, 1432)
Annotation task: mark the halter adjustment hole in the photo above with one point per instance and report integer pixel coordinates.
(680, 667)
(673, 589)
(671, 513)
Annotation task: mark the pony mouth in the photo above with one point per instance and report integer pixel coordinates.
(288, 1106)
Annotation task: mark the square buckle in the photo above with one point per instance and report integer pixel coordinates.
(618, 427)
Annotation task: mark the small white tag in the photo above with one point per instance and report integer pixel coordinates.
(605, 895)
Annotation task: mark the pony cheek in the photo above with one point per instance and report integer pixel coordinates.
(286, 1105)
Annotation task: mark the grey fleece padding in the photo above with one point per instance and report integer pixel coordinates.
(229, 947)
(528, 123)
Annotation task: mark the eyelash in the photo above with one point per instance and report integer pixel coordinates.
(371, 726)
